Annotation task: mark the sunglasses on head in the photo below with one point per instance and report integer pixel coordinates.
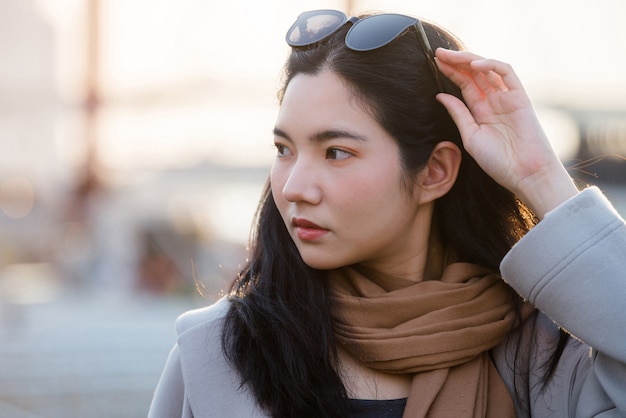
(373, 32)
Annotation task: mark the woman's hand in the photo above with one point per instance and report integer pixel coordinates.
(500, 130)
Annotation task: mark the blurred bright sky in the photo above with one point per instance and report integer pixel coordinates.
(186, 80)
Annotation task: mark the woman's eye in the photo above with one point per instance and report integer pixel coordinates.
(337, 154)
(282, 150)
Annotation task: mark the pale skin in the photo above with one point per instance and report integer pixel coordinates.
(499, 129)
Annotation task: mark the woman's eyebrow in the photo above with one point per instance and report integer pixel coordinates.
(325, 135)
(282, 134)
(335, 133)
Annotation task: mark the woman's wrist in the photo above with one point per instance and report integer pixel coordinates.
(544, 193)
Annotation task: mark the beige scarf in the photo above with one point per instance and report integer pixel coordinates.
(438, 330)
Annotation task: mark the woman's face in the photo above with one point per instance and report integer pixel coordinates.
(337, 181)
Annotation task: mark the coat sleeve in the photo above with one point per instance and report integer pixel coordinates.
(169, 399)
(572, 266)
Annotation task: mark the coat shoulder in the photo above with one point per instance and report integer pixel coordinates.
(202, 317)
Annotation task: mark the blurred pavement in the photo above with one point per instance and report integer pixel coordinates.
(85, 356)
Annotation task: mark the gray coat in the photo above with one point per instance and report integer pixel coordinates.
(570, 266)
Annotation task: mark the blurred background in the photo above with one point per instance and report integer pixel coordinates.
(135, 138)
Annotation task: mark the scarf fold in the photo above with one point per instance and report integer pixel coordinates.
(440, 331)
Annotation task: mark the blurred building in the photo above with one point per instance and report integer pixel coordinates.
(30, 169)
(136, 136)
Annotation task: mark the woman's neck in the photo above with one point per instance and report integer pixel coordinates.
(427, 264)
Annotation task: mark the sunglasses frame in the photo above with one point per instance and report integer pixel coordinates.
(414, 25)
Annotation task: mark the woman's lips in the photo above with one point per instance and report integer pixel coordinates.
(307, 230)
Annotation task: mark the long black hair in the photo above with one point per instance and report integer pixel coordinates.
(278, 333)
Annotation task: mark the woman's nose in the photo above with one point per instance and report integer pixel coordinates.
(302, 184)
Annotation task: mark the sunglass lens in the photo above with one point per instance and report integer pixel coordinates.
(376, 31)
(313, 26)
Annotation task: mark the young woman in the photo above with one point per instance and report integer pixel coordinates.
(416, 240)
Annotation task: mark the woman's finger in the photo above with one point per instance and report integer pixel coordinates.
(500, 74)
(457, 57)
(502, 69)
(463, 78)
(484, 82)
(495, 81)
(474, 83)
(460, 114)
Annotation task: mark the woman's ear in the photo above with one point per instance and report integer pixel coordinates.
(439, 175)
